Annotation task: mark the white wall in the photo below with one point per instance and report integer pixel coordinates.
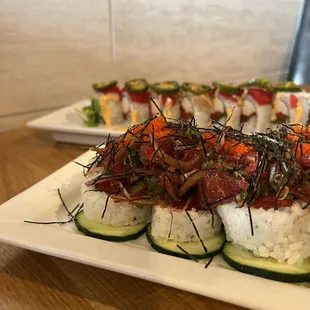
(51, 51)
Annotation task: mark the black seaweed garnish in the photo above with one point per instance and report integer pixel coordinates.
(189, 255)
(196, 231)
(209, 262)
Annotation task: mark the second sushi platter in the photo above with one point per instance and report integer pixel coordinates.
(254, 105)
(214, 211)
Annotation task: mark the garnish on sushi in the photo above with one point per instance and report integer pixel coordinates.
(257, 105)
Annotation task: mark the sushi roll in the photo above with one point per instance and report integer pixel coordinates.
(197, 102)
(136, 100)
(290, 105)
(119, 189)
(168, 99)
(184, 225)
(109, 96)
(257, 106)
(267, 225)
(227, 104)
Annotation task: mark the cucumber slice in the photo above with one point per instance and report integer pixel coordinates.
(246, 262)
(107, 232)
(194, 88)
(195, 249)
(261, 83)
(227, 89)
(288, 87)
(104, 85)
(137, 86)
(168, 87)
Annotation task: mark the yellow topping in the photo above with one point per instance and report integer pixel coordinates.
(106, 109)
(275, 107)
(299, 112)
(229, 114)
(133, 117)
(167, 109)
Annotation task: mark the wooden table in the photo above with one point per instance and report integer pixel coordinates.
(29, 280)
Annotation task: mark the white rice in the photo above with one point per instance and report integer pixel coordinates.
(116, 112)
(248, 108)
(282, 234)
(173, 111)
(186, 104)
(173, 224)
(202, 117)
(142, 111)
(219, 107)
(116, 214)
(263, 117)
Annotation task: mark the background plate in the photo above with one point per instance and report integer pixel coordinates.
(65, 125)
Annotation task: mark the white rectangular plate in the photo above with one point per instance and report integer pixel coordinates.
(65, 125)
(135, 258)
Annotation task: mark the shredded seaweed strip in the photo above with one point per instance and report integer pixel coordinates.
(206, 203)
(170, 224)
(78, 208)
(306, 205)
(251, 221)
(209, 262)
(189, 255)
(158, 108)
(106, 204)
(63, 203)
(196, 230)
(221, 199)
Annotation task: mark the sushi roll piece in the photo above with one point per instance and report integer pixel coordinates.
(267, 225)
(183, 224)
(198, 103)
(257, 107)
(136, 100)
(227, 104)
(189, 226)
(168, 99)
(119, 189)
(290, 105)
(109, 96)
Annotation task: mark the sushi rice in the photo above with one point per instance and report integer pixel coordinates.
(174, 224)
(282, 234)
(116, 214)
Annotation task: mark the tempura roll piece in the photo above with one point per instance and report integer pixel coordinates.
(291, 105)
(109, 96)
(136, 98)
(259, 94)
(168, 99)
(229, 98)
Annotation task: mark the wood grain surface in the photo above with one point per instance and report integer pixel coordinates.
(29, 280)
